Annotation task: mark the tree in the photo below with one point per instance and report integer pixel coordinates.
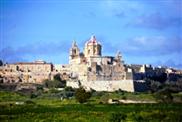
(59, 81)
(81, 95)
(1, 62)
(53, 84)
(57, 77)
(69, 89)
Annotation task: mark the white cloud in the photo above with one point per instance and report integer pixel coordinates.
(156, 21)
(152, 46)
(114, 7)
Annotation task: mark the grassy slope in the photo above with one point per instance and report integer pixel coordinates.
(77, 112)
(53, 109)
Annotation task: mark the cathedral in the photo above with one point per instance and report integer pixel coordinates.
(90, 65)
(90, 69)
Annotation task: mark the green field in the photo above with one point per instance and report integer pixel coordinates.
(45, 108)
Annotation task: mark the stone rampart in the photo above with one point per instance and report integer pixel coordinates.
(125, 85)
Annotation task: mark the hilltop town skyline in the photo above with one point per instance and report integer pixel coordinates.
(66, 62)
(141, 30)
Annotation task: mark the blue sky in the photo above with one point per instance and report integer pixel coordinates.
(146, 32)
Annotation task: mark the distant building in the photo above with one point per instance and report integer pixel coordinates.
(27, 72)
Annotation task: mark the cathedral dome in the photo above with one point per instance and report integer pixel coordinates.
(92, 47)
(92, 41)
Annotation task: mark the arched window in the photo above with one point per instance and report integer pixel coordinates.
(74, 51)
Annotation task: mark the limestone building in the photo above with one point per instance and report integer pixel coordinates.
(90, 67)
(27, 72)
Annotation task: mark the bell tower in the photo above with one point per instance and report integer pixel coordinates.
(74, 51)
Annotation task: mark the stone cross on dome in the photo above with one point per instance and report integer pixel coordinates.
(93, 39)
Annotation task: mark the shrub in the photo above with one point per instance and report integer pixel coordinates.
(29, 102)
(164, 96)
(69, 88)
(120, 91)
(117, 117)
(33, 95)
(138, 118)
(62, 83)
(98, 94)
(57, 77)
(81, 95)
(104, 98)
(39, 87)
(54, 84)
(124, 97)
(53, 90)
